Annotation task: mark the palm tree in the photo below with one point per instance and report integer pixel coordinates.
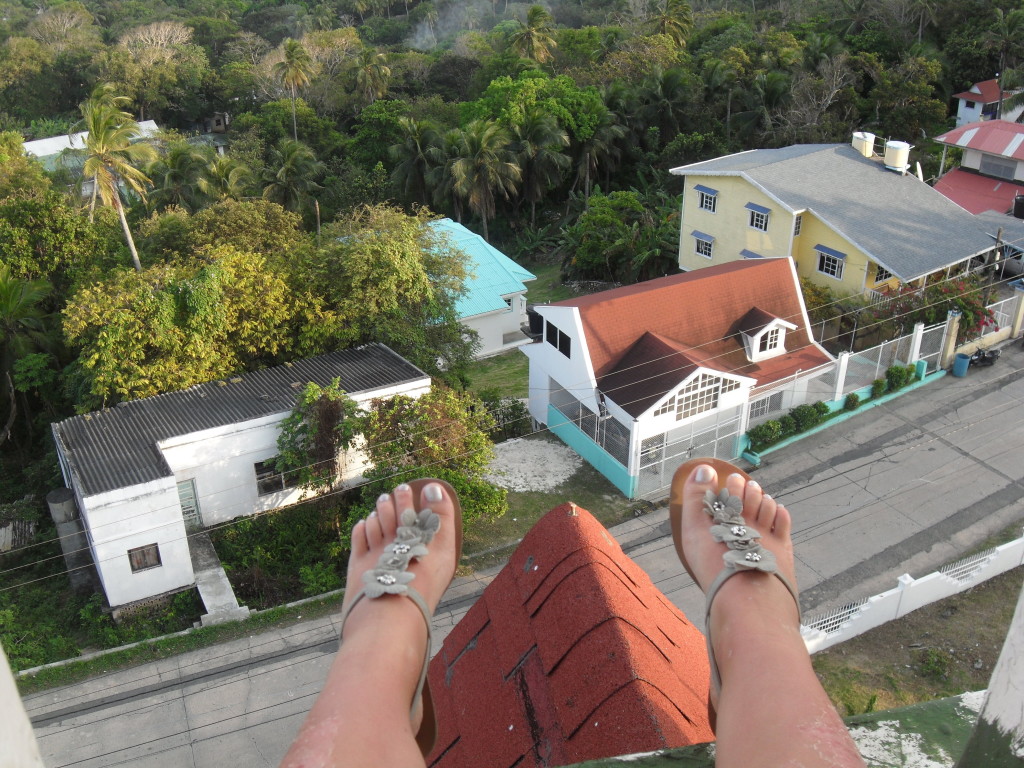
(597, 149)
(226, 178)
(112, 155)
(720, 78)
(22, 329)
(294, 71)
(673, 18)
(533, 40)
(415, 156)
(372, 74)
(484, 168)
(176, 177)
(538, 142)
(291, 175)
(666, 97)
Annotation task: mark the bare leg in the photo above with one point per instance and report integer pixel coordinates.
(772, 711)
(361, 717)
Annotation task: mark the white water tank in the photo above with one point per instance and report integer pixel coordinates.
(864, 143)
(897, 156)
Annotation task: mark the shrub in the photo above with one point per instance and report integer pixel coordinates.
(788, 425)
(878, 387)
(511, 417)
(852, 402)
(821, 409)
(805, 416)
(898, 376)
(765, 434)
(318, 578)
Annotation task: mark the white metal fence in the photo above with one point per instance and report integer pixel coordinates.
(828, 629)
(1001, 314)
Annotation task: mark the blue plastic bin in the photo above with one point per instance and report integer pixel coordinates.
(961, 364)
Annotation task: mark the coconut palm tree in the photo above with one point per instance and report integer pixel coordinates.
(22, 329)
(372, 74)
(599, 148)
(484, 168)
(294, 71)
(415, 156)
(673, 18)
(534, 40)
(113, 155)
(720, 78)
(226, 178)
(176, 177)
(291, 175)
(537, 142)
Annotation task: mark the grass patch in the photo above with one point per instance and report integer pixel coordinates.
(508, 373)
(547, 288)
(943, 649)
(162, 648)
(488, 542)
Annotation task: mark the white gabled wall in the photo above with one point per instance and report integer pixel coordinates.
(138, 516)
(550, 369)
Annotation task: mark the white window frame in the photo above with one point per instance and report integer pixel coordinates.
(827, 262)
(770, 340)
(798, 224)
(882, 274)
(759, 221)
(269, 481)
(705, 248)
(765, 405)
(707, 202)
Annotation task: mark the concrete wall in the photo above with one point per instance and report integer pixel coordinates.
(138, 516)
(550, 369)
(824, 631)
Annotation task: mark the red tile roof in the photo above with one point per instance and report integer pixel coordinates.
(987, 92)
(978, 193)
(646, 338)
(570, 654)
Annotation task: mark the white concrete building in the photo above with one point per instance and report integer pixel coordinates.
(144, 472)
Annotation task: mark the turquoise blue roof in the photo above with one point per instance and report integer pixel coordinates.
(495, 275)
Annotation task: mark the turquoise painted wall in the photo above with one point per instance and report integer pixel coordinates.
(591, 452)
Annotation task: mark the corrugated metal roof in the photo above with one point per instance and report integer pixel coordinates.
(55, 144)
(117, 447)
(494, 274)
(898, 221)
(993, 137)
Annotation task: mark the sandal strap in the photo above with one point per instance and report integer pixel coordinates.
(391, 577)
(745, 554)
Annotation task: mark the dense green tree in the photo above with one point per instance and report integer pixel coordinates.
(371, 74)
(673, 18)
(225, 177)
(23, 330)
(113, 154)
(599, 149)
(294, 70)
(172, 326)
(19, 174)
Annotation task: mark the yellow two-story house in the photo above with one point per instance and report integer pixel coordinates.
(850, 223)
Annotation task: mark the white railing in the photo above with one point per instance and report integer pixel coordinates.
(828, 629)
(1001, 314)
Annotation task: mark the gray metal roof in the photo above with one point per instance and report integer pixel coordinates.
(117, 447)
(899, 221)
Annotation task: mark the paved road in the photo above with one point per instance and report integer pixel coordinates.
(905, 487)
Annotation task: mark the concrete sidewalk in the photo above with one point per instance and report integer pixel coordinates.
(904, 487)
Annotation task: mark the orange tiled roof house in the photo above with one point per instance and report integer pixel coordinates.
(639, 379)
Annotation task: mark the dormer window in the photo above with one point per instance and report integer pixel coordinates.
(763, 334)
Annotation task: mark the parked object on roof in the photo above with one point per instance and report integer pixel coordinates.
(145, 472)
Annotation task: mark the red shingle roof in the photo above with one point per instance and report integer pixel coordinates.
(987, 92)
(692, 318)
(570, 654)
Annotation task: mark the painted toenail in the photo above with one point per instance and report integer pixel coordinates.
(753, 484)
(735, 477)
(703, 474)
(433, 493)
(383, 498)
(403, 488)
(373, 513)
(767, 497)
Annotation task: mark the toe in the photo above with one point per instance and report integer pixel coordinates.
(374, 534)
(399, 500)
(782, 525)
(360, 546)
